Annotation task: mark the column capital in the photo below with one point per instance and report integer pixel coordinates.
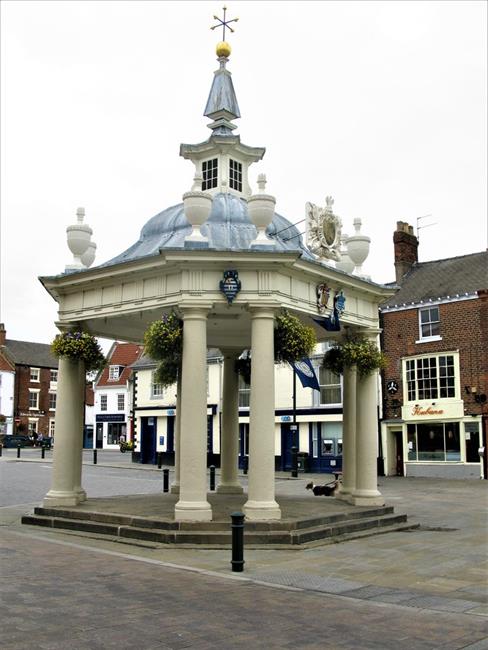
(266, 310)
(196, 310)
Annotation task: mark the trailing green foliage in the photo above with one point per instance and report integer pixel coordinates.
(79, 346)
(355, 351)
(292, 342)
(163, 342)
(292, 339)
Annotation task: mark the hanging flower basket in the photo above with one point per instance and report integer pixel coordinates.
(355, 351)
(292, 339)
(79, 346)
(292, 342)
(163, 342)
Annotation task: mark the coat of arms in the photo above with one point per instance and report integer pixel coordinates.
(230, 285)
(323, 230)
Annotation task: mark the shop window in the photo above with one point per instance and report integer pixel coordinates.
(35, 374)
(434, 442)
(327, 447)
(114, 431)
(210, 174)
(429, 323)
(430, 377)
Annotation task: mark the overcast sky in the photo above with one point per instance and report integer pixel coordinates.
(382, 105)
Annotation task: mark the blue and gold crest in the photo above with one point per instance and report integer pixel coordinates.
(230, 285)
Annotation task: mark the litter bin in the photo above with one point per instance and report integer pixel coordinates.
(302, 461)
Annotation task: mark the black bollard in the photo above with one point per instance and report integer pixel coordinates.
(245, 464)
(160, 459)
(294, 462)
(212, 477)
(165, 480)
(237, 561)
(43, 452)
(18, 451)
(1, 449)
(94, 456)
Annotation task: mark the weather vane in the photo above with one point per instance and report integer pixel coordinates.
(224, 23)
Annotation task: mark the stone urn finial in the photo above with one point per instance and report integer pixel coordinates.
(197, 206)
(358, 247)
(78, 236)
(345, 263)
(261, 208)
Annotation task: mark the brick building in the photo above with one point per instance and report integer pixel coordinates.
(435, 335)
(33, 371)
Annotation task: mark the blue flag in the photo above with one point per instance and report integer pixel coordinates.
(330, 323)
(306, 373)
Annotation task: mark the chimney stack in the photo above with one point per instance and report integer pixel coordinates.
(3, 334)
(406, 253)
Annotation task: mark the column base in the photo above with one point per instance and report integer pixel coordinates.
(193, 511)
(175, 488)
(58, 498)
(81, 495)
(261, 510)
(366, 498)
(234, 488)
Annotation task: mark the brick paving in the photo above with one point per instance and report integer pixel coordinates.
(427, 588)
(58, 596)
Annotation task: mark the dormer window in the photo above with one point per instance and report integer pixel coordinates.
(210, 174)
(235, 175)
(114, 373)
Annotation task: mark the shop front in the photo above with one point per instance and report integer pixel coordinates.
(438, 440)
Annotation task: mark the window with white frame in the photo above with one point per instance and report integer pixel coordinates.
(32, 426)
(430, 377)
(330, 386)
(103, 402)
(244, 393)
(51, 427)
(235, 175)
(35, 374)
(157, 390)
(52, 401)
(429, 323)
(113, 373)
(34, 399)
(54, 375)
(120, 402)
(209, 174)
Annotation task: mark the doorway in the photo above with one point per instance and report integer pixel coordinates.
(398, 453)
(148, 440)
(99, 436)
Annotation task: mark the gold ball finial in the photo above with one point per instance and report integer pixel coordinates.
(223, 49)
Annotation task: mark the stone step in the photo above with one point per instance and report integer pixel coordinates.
(273, 535)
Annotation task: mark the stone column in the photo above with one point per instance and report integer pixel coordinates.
(78, 446)
(193, 504)
(261, 502)
(66, 468)
(175, 487)
(229, 450)
(366, 491)
(349, 379)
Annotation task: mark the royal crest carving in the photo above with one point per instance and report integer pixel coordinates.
(323, 230)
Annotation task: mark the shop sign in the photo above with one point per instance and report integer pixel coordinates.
(108, 417)
(423, 411)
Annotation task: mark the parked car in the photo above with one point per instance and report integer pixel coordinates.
(16, 440)
(47, 442)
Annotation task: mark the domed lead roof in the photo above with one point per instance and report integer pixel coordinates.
(227, 228)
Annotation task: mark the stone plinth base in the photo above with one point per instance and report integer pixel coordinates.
(262, 510)
(366, 498)
(230, 489)
(57, 498)
(193, 511)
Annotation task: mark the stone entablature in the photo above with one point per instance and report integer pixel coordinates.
(143, 289)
